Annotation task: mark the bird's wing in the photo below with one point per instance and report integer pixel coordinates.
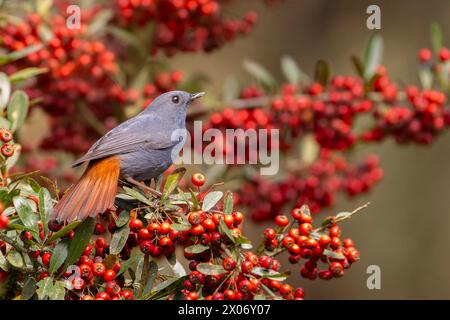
(125, 139)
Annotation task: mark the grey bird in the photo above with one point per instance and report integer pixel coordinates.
(137, 150)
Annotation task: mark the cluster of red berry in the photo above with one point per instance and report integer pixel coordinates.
(183, 25)
(421, 122)
(301, 241)
(75, 65)
(316, 185)
(7, 143)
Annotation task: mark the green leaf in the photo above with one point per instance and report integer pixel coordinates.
(45, 287)
(373, 56)
(211, 199)
(226, 230)
(29, 289)
(194, 199)
(80, 240)
(59, 255)
(26, 214)
(165, 289)
(196, 248)
(19, 53)
(5, 90)
(426, 77)
(359, 66)
(333, 255)
(26, 74)
(119, 239)
(100, 21)
(290, 69)
(45, 208)
(343, 215)
(63, 231)
(230, 89)
(260, 73)
(58, 291)
(322, 72)
(180, 226)
(34, 185)
(3, 262)
(17, 109)
(210, 269)
(269, 274)
(153, 273)
(123, 219)
(15, 259)
(437, 37)
(137, 195)
(128, 264)
(228, 203)
(172, 181)
(129, 38)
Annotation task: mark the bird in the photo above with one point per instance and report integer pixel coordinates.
(138, 149)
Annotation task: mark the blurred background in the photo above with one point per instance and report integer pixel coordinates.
(405, 229)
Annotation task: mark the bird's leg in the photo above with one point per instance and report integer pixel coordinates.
(144, 187)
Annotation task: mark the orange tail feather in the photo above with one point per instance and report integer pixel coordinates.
(94, 193)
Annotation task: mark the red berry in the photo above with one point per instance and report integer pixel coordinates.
(46, 258)
(444, 54)
(425, 55)
(229, 264)
(109, 275)
(127, 295)
(7, 150)
(4, 221)
(281, 221)
(135, 224)
(198, 179)
(112, 288)
(98, 269)
(78, 283)
(5, 135)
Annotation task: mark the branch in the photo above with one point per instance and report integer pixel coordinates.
(333, 219)
(13, 243)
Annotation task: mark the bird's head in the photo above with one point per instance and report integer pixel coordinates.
(173, 102)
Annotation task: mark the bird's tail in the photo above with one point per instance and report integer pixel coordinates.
(94, 193)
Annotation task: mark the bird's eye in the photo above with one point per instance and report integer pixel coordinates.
(176, 99)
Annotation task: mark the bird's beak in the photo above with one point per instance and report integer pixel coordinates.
(195, 96)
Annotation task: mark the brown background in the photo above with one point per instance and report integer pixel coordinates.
(406, 229)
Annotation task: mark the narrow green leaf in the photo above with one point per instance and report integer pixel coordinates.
(211, 199)
(59, 255)
(437, 37)
(230, 89)
(5, 90)
(29, 289)
(180, 226)
(333, 255)
(210, 269)
(226, 230)
(26, 214)
(260, 73)
(128, 264)
(123, 219)
(137, 195)
(228, 203)
(322, 72)
(45, 208)
(196, 248)
(269, 274)
(15, 259)
(63, 231)
(100, 21)
(172, 181)
(18, 109)
(26, 74)
(359, 66)
(20, 53)
(373, 56)
(80, 240)
(58, 292)
(291, 70)
(119, 239)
